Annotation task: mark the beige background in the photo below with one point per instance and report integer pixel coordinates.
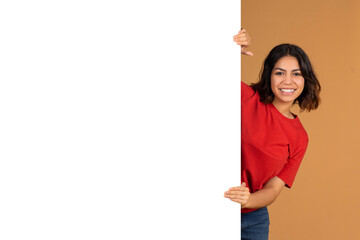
(324, 201)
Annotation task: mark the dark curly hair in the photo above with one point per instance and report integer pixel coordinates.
(309, 99)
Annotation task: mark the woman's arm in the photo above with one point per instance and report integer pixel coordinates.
(266, 195)
(258, 199)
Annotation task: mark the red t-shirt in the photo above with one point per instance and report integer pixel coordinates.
(271, 144)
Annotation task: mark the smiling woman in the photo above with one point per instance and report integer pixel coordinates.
(288, 65)
(273, 140)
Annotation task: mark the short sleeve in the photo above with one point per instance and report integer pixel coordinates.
(246, 91)
(288, 172)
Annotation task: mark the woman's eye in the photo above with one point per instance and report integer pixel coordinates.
(279, 73)
(297, 74)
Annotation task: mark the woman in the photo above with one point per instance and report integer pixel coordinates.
(273, 141)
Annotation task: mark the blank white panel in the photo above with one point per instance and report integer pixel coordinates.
(119, 120)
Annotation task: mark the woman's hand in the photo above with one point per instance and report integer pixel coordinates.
(243, 39)
(238, 194)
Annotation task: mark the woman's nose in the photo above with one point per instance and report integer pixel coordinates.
(288, 79)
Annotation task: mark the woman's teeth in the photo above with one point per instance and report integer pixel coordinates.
(287, 90)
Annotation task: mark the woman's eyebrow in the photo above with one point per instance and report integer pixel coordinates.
(281, 69)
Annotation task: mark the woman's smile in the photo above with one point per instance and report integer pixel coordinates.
(287, 91)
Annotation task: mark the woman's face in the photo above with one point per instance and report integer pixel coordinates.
(287, 83)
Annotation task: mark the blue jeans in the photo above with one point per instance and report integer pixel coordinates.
(255, 225)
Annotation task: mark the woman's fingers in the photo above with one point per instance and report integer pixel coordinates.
(238, 198)
(242, 187)
(241, 201)
(241, 35)
(239, 194)
(243, 43)
(243, 39)
(242, 30)
(244, 51)
(234, 193)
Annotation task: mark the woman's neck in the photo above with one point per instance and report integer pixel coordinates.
(283, 108)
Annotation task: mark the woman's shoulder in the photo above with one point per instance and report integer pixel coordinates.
(246, 91)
